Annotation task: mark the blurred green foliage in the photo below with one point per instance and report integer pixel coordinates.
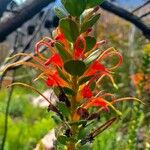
(26, 124)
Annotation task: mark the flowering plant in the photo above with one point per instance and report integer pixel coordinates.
(74, 69)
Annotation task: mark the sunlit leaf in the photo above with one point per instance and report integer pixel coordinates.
(69, 28)
(92, 57)
(74, 7)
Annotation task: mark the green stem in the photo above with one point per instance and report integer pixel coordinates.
(71, 145)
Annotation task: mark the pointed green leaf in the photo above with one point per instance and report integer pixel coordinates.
(84, 132)
(63, 109)
(89, 23)
(90, 43)
(70, 29)
(75, 67)
(62, 74)
(84, 80)
(68, 91)
(74, 7)
(62, 51)
(62, 139)
(93, 3)
(56, 119)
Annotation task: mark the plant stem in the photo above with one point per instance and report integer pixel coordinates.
(7, 114)
(71, 145)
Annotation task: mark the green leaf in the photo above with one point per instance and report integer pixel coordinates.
(74, 7)
(56, 119)
(93, 3)
(75, 67)
(69, 28)
(84, 132)
(89, 23)
(63, 108)
(88, 146)
(62, 139)
(93, 85)
(92, 57)
(84, 80)
(90, 43)
(60, 13)
(62, 74)
(81, 122)
(62, 51)
(68, 91)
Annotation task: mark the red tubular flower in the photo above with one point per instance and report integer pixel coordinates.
(80, 46)
(55, 80)
(101, 102)
(98, 102)
(96, 67)
(86, 92)
(51, 82)
(56, 60)
(99, 70)
(61, 37)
